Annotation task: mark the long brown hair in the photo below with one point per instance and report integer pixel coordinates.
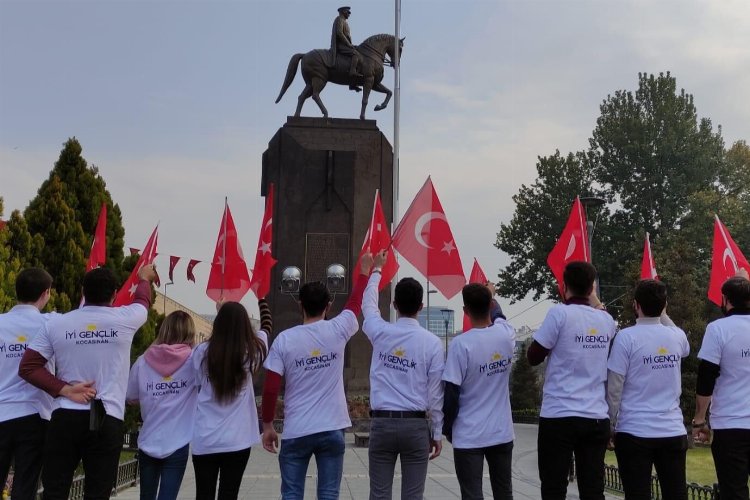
(177, 328)
(234, 350)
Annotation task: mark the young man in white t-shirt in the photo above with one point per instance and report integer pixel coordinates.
(24, 409)
(90, 347)
(723, 383)
(644, 384)
(575, 336)
(311, 359)
(405, 383)
(478, 420)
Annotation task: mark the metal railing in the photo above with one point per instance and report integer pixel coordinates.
(613, 482)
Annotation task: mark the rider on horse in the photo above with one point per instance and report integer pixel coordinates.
(341, 43)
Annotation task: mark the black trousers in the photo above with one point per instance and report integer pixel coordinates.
(561, 438)
(22, 442)
(731, 451)
(469, 470)
(69, 442)
(635, 458)
(207, 467)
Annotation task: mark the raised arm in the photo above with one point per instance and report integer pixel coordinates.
(354, 303)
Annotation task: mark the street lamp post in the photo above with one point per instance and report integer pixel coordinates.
(427, 323)
(446, 318)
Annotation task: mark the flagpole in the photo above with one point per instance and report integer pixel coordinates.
(224, 245)
(396, 131)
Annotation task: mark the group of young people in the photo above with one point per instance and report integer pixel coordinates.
(65, 380)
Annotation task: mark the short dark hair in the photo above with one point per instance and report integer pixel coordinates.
(737, 291)
(314, 297)
(477, 300)
(31, 283)
(99, 285)
(651, 295)
(579, 277)
(407, 296)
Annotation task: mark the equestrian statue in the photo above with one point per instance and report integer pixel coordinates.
(344, 64)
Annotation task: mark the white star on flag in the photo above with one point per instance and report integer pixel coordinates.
(132, 289)
(448, 247)
(264, 247)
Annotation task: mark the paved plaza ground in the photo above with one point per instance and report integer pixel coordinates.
(262, 479)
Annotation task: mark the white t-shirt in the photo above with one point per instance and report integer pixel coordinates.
(18, 398)
(578, 338)
(407, 363)
(167, 406)
(479, 361)
(226, 427)
(649, 356)
(93, 343)
(311, 359)
(727, 344)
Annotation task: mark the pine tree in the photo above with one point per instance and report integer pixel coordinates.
(9, 268)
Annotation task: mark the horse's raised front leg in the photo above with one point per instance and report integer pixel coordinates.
(307, 92)
(317, 86)
(366, 88)
(379, 87)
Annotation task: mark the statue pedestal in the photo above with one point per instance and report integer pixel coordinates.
(325, 172)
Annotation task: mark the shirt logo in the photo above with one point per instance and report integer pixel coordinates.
(92, 335)
(397, 360)
(15, 349)
(662, 359)
(497, 364)
(745, 353)
(167, 385)
(592, 339)
(315, 361)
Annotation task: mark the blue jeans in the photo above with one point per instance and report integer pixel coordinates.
(162, 474)
(294, 457)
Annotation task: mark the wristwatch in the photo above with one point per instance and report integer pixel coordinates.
(699, 425)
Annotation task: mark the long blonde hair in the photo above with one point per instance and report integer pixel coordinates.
(177, 328)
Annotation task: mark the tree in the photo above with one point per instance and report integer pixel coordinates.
(541, 212)
(524, 384)
(9, 268)
(663, 170)
(57, 227)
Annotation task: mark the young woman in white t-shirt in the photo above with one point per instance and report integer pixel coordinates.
(226, 421)
(163, 382)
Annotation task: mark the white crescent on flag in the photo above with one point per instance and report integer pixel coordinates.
(571, 247)
(422, 222)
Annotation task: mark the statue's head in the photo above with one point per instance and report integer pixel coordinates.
(345, 11)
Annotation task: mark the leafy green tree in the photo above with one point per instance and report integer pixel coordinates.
(57, 227)
(524, 384)
(9, 268)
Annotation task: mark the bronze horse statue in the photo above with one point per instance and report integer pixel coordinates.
(316, 72)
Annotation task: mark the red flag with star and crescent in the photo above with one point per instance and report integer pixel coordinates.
(229, 278)
(648, 266)
(378, 238)
(98, 254)
(173, 260)
(191, 265)
(726, 261)
(127, 292)
(260, 283)
(572, 246)
(425, 239)
(477, 276)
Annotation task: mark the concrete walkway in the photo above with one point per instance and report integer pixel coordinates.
(262, 480)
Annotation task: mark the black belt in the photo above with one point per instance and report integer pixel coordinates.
(397, 414)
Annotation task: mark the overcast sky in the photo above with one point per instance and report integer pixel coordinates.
(173, 101)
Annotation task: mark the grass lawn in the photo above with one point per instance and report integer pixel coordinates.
(699, 465)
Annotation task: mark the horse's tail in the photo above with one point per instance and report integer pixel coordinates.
(291, 72)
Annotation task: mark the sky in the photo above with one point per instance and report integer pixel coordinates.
(173, 101)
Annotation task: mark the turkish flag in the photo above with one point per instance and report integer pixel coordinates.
(229, 278)
(190, 266)
(98, 254)
(125, 295)
(726, 261)
(173, 260)
(134, 251)
(260, 284)
(378, 238)
(477, 276)
(572, 246)
(424, 238)
(648, 266)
